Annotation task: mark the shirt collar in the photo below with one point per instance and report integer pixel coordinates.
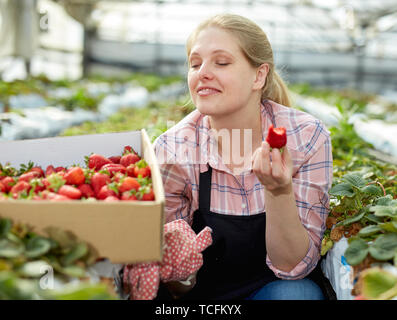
(207, 142)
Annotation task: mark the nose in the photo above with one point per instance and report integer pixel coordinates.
(205, 72)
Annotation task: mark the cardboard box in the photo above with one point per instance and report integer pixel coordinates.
(123, 232)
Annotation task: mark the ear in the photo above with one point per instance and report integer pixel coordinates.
(260, 78)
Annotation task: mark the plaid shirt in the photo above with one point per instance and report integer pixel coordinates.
(186, 149)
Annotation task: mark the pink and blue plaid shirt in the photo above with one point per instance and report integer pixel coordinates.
(185, 150)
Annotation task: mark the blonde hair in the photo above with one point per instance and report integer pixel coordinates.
(256, 48)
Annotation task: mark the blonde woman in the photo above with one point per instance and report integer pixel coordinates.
(267, 208)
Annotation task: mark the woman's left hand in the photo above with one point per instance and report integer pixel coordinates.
(275, 175)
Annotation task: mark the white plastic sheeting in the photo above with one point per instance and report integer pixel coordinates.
(36, 119)
(380, 134)
(338, 271)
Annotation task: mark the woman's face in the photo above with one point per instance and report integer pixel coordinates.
(220, 78)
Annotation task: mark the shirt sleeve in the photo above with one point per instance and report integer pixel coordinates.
(311, 184)
(177, 189)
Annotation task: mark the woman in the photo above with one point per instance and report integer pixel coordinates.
(267, 208)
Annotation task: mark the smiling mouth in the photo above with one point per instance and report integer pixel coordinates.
(207, 91)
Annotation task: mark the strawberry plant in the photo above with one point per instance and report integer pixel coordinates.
(24, 255)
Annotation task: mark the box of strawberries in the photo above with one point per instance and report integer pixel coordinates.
(104, 188)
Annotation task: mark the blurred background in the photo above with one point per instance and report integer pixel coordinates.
(86, 63)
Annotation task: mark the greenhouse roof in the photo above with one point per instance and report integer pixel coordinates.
(301, 25)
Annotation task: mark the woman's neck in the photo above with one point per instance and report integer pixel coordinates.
(238, 135)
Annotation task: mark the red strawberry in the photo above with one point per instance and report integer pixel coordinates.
(2, 187)
(60, 169)
(115, 159)
(117, 177)
(86, 191)
(113, 168)
(37, 184)
(54, 181)
(39, 170)
(50, 170)
(129, 158)
(149, 195)
(96, 161)
(276, 137)
(59, 197)
(128, 184)
(36, 197)
(8, 182)
(105, 192)
(130, 170)
(27, 176)
(70, 192)
(142, 169)
(98, 180)
(111, 199)
(20, 187)
(127, 149)
(75, 175)
(128, 196)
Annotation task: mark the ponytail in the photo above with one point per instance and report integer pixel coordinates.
(276, 90)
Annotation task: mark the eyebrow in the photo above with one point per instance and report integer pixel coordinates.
(213, 52)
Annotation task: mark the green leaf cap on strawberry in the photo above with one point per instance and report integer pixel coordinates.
(276, 137)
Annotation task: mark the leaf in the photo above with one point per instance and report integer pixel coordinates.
(37, 246)
(73, 271)
(389, 226)
(372, 190)
(34, 269)
(371, 217)
(384, 247)
(10, 249)
(5, 227)
(356, 252)
(326, 244)
(342, 189)
(84, 292)
(384, 201)
(77, 252)
(384, 211)
(368, 175)
(369, 230)
(65, 239)
(354, 180)
(377, 281)
(352, 219)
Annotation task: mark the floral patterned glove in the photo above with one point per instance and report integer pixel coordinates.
(181, 257)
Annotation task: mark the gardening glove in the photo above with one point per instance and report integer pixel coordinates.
(182, 257)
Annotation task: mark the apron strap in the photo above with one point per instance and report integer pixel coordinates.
(205, 190)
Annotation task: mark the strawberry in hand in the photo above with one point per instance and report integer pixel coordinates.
(276, 137)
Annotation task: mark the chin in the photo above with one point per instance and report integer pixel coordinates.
(208, 108)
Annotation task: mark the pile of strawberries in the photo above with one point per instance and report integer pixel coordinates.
(118, 178)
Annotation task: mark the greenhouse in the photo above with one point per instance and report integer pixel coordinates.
(103, 103)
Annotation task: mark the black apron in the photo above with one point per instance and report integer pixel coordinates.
(235, 264)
